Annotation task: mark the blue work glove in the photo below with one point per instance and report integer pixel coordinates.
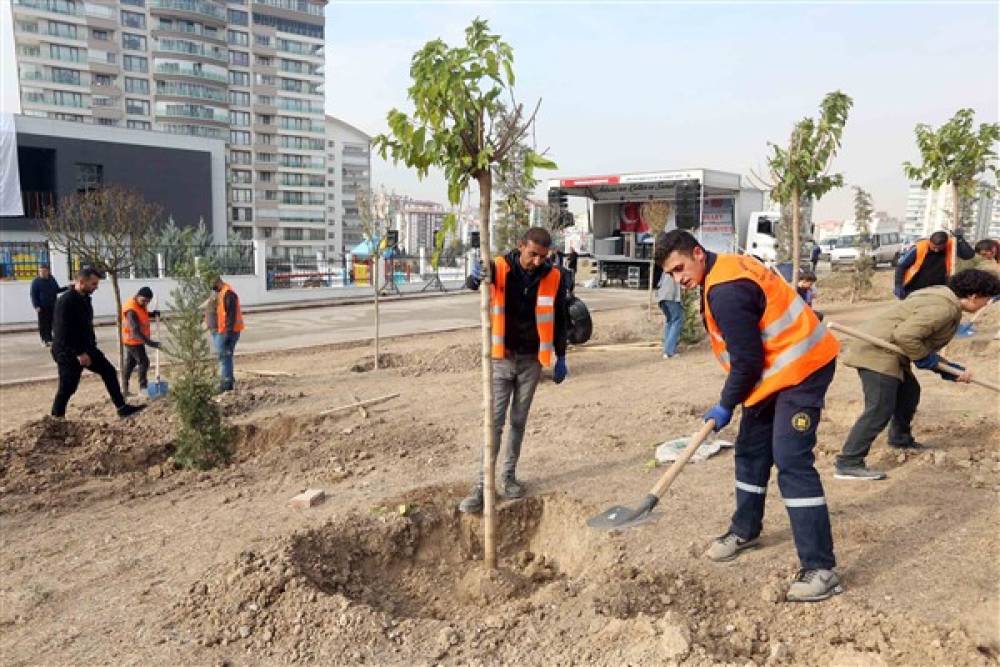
(929, 362)
(561, 371)
(476, 272)
(899, 293)
(722, 416)
(949, 376)
(965, 329)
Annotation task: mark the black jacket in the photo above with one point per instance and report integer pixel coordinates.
(73, 325)
(44, 292)
(520, 295)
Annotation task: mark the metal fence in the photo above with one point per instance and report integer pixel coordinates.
(19, 260)
(162, 262)
(303, 272)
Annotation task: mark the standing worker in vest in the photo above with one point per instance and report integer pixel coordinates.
(136, 336)
(225, 335)
(780, 361)
(929, 263)
(528, 314)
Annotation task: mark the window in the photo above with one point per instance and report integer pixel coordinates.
(239, 78)
(111, 122)
(134, 42)
(89, 176)
(64, 99)
(239, 157)
(237, 17)
(237, 38)
(139, 125)
(70, 53)
(67, 30)
(239, 98)
(133, 19)
(293, 233)
(241, 214)
(240, 118)
(239, 137)
(241, 177)
(140, 86)
(137, 107)
(27, 26)
(99, 80)
(288, 25)
(71, 76)
(135, 64)
(134, 3)
(239, 58)
(100, 35)
(241, 195)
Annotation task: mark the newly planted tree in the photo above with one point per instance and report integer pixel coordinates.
(459, 125)
(109, 228)
(800, 170)
(202, 439)
(375, 212)
(954, 156)
(864, 265)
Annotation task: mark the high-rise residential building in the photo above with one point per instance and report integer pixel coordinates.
(416, 222)
(348, 170)
(928, 211)
(916, 207)
(250, 73)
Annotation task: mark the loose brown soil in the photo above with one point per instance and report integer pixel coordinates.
(113, 556)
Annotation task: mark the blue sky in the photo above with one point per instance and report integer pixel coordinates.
(639, 86)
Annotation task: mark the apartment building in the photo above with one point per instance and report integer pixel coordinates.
(417, 220)
(247, 72)
(348, 170)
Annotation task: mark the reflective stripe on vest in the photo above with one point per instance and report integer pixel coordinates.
(220, 310)
(923, 247)
(548, 289)
(796, 343)
(128, 337)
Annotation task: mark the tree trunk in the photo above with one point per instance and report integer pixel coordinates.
(375, 263)
(796, 214)
(118, 319)
(489, 460)
(956, 225)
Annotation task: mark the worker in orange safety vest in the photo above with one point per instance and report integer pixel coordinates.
(136, 335)
(225, 328)
(780, 360)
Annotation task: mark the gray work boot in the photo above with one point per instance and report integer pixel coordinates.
(861, 472)
(727, 547)
(909, 446)
(512, 487)
(473, 504)
(813, 586)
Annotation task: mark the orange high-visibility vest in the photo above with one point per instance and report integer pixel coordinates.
(923, 247)
(796, 343)
(128, 336)
(220, 310)
(545, 311)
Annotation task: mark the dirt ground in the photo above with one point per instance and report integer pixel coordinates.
(112, 556)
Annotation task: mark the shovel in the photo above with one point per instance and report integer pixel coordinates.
(885, 345)
(158, 388)
(625, 517)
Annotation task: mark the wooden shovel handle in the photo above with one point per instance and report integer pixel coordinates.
(675, 468)
(886, 345)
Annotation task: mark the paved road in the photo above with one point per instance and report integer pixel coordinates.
(22, 355)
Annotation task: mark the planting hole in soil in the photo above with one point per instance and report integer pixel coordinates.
(427, 564)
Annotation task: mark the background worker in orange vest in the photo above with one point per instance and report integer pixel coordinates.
(136, 335)
(225, 335)
(529, 316)
(928, 263)
(780, 361)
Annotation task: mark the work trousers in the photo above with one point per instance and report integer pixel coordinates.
(70, 371)
(45, 323)
(887, 401)
(514, 383)
(673, 311)
(225, 347)
(135, 357)
(781, 431)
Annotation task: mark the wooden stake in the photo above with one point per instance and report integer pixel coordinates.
(359, 404)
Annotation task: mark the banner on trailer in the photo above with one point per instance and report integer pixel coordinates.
(10, 181)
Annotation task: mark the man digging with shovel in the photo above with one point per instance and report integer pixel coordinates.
(528, 311)
(136, 336)
(780, 361)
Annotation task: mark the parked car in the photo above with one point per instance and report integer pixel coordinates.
(886, 247)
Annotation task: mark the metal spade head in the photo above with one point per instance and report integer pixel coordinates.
(623, 517)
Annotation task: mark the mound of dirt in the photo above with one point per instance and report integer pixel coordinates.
(385, 360)
(50, 452)
(450, 359)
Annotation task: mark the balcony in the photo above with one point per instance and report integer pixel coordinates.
(171, 69)
(170, 46)
(54, 6)
(201, 9)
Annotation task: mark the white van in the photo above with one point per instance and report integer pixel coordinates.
(886, 248)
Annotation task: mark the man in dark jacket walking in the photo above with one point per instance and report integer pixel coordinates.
(44, 290)
(74, 346)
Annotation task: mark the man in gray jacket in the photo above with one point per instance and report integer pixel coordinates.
(920, 325)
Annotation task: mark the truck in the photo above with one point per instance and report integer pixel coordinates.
(723, 210)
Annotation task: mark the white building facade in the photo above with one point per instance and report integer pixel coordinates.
(348, 170)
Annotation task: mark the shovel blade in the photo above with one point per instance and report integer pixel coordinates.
(157, 389)
(623, 517)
